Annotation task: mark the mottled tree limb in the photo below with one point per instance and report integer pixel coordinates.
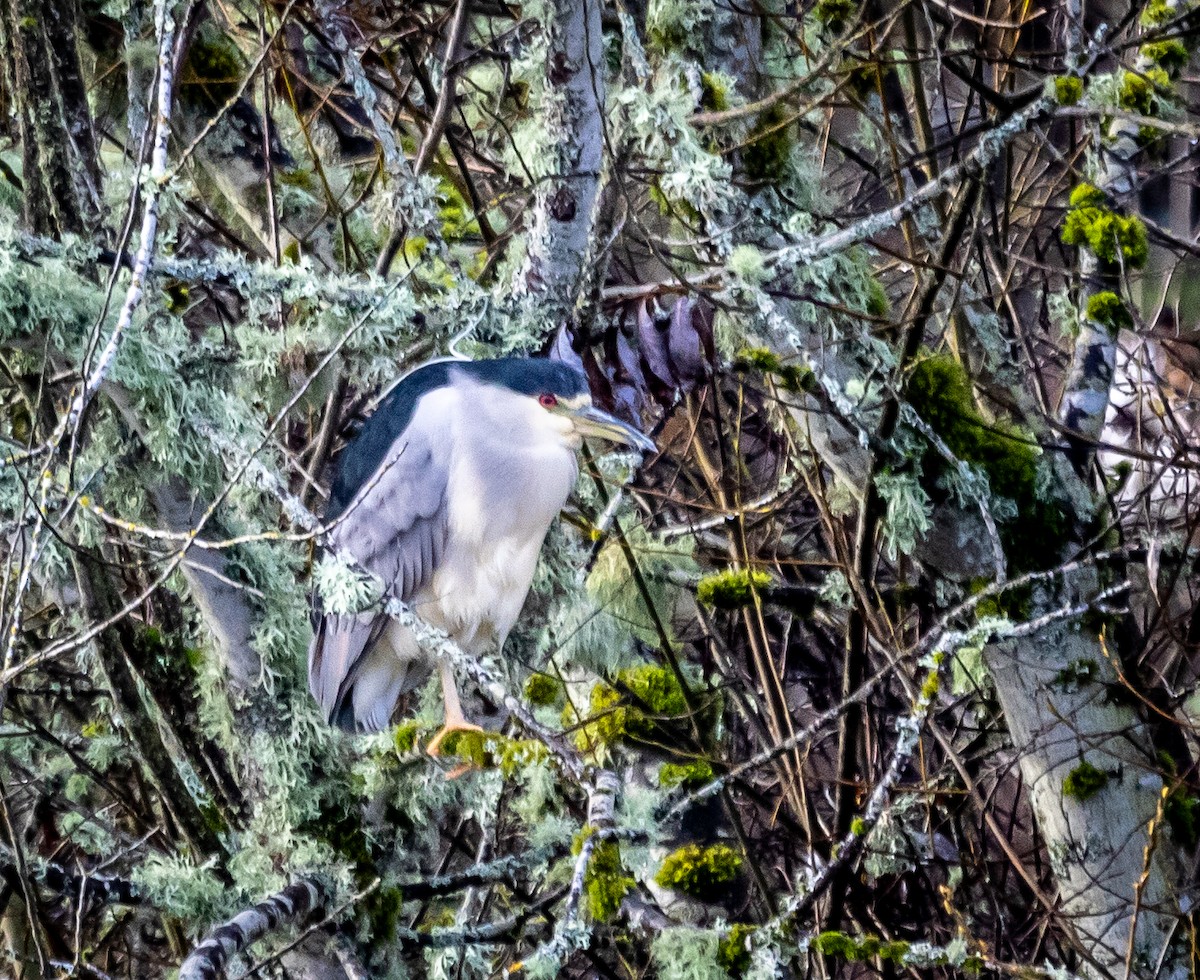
(289, 907)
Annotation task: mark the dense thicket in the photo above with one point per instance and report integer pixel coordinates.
(884, 663)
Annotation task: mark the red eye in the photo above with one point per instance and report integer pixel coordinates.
(547, 401)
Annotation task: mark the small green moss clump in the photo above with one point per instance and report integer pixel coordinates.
(1084, 781)
(491, 750)
(1068, 89)
(714, 94)
(732, 588)
(1091, 224)
(689, 775)
(1157, 12)
(543, 690)
(404, 738)
(212, 70)
(1182, 811)
(655, 687)
(1138, 89)
(606, 881)
(1014, 603)
(606, 718)
(1106, 309)
(733, 952)
(858, 827)
(929, 689)
(701, 872)
(939, 390)
(835, 14)
(767, 153)
(1170, 55)
(878, 303)
(789, 377)
(635, 706)
(1076, 674)
(859, 949)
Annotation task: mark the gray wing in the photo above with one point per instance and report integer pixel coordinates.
(395, 527)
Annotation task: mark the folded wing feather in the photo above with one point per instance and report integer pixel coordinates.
(395, 528)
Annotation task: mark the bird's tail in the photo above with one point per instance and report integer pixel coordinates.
(358, 666)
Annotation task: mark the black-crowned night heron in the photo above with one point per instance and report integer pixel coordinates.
(446, 496)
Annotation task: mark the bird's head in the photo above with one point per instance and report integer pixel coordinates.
(558, 402)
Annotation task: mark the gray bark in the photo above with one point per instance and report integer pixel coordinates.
(1109, 851)
(565, 202)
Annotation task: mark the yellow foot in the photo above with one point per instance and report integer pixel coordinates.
(434, 748)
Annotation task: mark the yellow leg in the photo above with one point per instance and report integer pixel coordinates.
(454, 719)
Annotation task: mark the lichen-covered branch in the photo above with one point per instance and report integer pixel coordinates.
(288, 908)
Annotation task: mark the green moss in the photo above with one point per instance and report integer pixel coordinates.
(858, 827)
(689, 775)
(714, 92)
(835, 14)
(1170, 55)
(767, 154)
(1091, 224)
(1138, 89)
(1084, 781)
(543, 690)
(404, 738)
(291, 253)
(929, 689)
(178, 296)
(1068, 89)
(790, 377)
(859, 949)
(702, 872)
(878, 303)
(605, 882)
(673, 206)
(733, 952)
(1087, 196)
(1156, 13)
(865, 78)
(732, 588)
(212, 70)
(655, 687)
(491, 750)
(456, 213)
(1182, 812)
(939, 390)
(606, 718)
(640, 705)
(1014, 603)
(1077, 673)
(1106, 309)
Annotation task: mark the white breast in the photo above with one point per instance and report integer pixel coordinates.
(509, 479)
